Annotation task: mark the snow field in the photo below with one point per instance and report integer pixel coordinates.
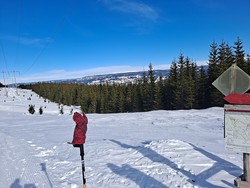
(156, 149)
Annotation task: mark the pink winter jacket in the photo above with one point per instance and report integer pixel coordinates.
(80, 128)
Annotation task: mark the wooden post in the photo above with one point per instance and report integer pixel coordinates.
(246, 171)
(244, 180)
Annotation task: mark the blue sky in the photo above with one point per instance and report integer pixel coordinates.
(55, 39)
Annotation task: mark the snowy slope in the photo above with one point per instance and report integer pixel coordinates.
(157, 149)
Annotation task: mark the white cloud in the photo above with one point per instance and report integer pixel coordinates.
(132, 7)
(39, 42)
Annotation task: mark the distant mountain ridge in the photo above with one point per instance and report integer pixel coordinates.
(125, 77)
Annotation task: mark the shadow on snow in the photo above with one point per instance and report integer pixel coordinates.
(16, 184)
(43, 166)
(198, 180)
(140, 178)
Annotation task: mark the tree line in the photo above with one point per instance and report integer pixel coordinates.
(187, 86)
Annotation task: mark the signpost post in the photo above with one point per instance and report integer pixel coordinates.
(233, 83)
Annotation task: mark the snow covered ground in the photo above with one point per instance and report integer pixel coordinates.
(157, 149)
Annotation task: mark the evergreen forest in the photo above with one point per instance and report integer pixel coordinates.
(187, 86)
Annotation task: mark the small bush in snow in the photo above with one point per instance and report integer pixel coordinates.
(31, 109)
(61, 110)
(41, 110)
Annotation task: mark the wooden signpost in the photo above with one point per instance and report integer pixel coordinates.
(233, 83)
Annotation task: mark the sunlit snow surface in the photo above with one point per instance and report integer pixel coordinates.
(156, 149)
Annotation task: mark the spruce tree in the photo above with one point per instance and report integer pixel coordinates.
(222, 64)
(74, 96)
(229, 56)
(248, 64)
(172, 87)
(179, 95)
(201, 94)
(189, 84)
(121, 98)
(145, 93)
(92, 102)
(214, 69)
(194, 84)
(1, 85)
(160, 94)
(112, 99)
(239, 54)
(151, 89)
(138, 101)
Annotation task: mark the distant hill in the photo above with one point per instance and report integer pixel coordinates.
(124, 77)
(110, 78)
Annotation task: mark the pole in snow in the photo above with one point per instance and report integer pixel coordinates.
(83, 165)
(79, 138)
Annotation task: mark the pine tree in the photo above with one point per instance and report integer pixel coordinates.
(179, 95)
(129, 97)
(104, 98)
(201, 97)
(92, 102)
(214, 97)
(1, 85)
(74, 96)
(160, 94)
(112, 99)
(248, 64)
(138, 101)
(151, 89)
(222, 64)
(229, 56)
(240, 54)
(171, 87)
(192, 84)
(144, 93)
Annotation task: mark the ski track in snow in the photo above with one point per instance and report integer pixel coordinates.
(157, 149)
(18, 165)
